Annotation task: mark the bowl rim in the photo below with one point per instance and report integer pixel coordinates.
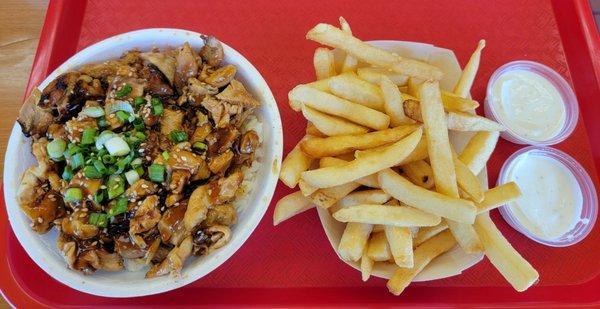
(263, 193)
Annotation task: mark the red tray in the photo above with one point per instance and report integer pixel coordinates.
(293, 264)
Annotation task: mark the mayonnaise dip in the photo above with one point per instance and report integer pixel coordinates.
(528, 104)
(551, 200)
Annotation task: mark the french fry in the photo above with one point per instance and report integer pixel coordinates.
(459, 121)
(289, 206)
(334, 37)
(420, 173)
(402, 216)
(305, 188)
(513, 267)
(438, 143)
(361, 167)
(393, 103)
(324, 63)
(314, 131)
(479, 149)
(498, 196)
(325, 198)
(330, 104)
(412, 87)
(348, 86)
(373, 75)
(466, 180)
(354, 241)
(429, 201)
(368, 181)
(400, 243)
(454, 103)
(322, 84)
(331, 125)
(319, 147)
(379, 249)
(440, 156)
(425, 233)
(350, 63)
(378, 228)
(364, 197)
(419, 153)
(366, 267)
(291, 167)
(423, 255)
(463, 86)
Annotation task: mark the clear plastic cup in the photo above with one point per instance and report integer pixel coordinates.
(589, 208)
(561, 85)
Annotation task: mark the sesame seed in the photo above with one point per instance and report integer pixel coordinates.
(94, 243)
(40, 220)
(148, 158)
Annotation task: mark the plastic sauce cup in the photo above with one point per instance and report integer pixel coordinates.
(561, 85)
(589, 208)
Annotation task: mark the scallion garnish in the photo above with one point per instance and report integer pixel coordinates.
(108, 159)
(56, 149)
(118, 208)
(200, 146)
(156, 172)
(67, 173)
(125, 90)
(115, 186)
(157, 106)
(99, 166)
(98, 219)
(93, 111)
(91, 172)
(88, 136)
(99, 196)
(138, 101)
(73, 195)
(165, 155)
(131, 176)
(138, 124)
(178, 136)
(122, 116)
(77, 161)
(116, 146)
(102, 123)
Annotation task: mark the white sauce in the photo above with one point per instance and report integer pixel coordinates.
(551, 200)
(529, 105)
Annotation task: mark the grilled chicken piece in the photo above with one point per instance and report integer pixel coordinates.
(171, 226)
(249, 142)
(220, 163)
(222, 76)
(57, 131)
(221, 140)
(34, 120)
(43, 211)
(163, 61)
(173, 263)
(68, 249)
(217, 111)
(146, 216)
(212, 51)
(172, 199)
(75, 127)
(201, 132)
(127, 249)
(109, 68)
(209, 239)
(137, 87)
(198, 90)
(87, 185)
(183, 159)
(66, 94)
(187, 66)
(197, 207)
(179, 178)
(221, 215)
(76, 225)
(225, 188)
(236, 93)
(158, 84)
(139, 189)
(91, 260)
(170, 121)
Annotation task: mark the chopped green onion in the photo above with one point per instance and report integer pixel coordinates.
(73, 195)
(118, 208)
(98, 219)
(157, 107)
(72, 149)
(91, 172)
(112, 170)
(200, 146)
(122, 164)
(117, 146)
(138, 101)
(156, 172)
(132, 176)
(125, 90)
(99, 196)
(93, 111)
(99, 166)
(138, 124)
(103, 137)
(108, 159)
(136, 162)
(88, 136)
(122, 116)
(178, 136)
(140, 171)
(56, 149)
(116, 186)
(67, 173)
(166, 155)
(77, 161)
(140, 135)
(102, 123)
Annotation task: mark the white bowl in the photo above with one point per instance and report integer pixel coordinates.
(456, 260)
(42, 248)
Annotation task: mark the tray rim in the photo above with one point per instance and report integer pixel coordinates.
(44, 62)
